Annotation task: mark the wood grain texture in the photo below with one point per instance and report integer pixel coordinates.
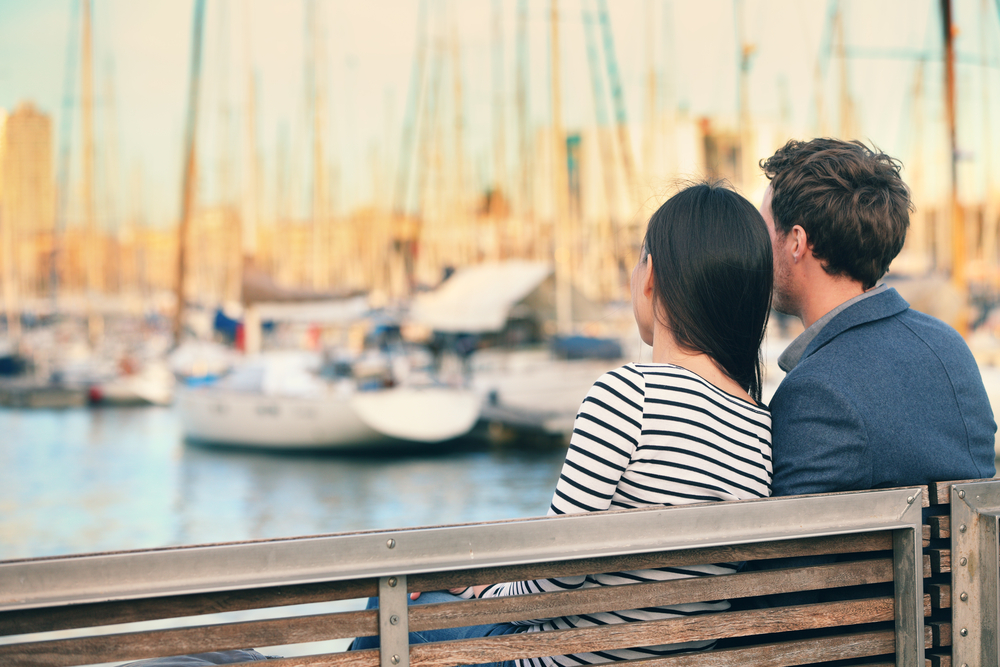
(940, 561)
(635, 596)
(940, 596)
(198, 639)
(127, 611)
(940, 526)
(941, 632)
(837, 544)
(777, 654)
(696, 628)
(939, 659)
(367, 658)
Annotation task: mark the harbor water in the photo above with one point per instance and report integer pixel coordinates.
(105, 479)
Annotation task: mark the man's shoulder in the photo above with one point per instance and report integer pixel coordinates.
(908, 333)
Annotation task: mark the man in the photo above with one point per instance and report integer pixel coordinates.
(876, 395)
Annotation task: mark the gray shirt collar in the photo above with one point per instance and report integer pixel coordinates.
(789, 359)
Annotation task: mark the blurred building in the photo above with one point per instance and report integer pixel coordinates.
(27, 197)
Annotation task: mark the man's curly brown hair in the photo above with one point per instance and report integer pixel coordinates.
(850, 200)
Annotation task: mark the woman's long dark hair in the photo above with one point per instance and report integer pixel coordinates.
(713, 267)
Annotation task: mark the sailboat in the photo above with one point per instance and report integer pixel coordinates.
(304, 400)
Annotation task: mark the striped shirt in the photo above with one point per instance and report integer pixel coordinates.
(649, 435)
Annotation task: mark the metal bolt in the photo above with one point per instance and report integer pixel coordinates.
(392, 582)
(394, 619)
(963, 560)
(961, 494)
(961, 528)
(391, 544)
(963, 632)
(909, 500)
(963, 597)
(394, 659)
(965, 664)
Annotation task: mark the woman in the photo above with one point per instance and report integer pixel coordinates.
(687, 427)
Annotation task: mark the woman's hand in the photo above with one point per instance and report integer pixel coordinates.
(454, 591)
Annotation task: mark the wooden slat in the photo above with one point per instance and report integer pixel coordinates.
(127, 611)
(366, 658)
(928, 571)
(925, 535)
(475, 612)
(817, 546)
(197, 639)
(940, 561)
(941, 631)
(939, 659)
(634, 596)
(940, 596)
(777, 654)
(940, 492)
(695, 628)
(940, 526)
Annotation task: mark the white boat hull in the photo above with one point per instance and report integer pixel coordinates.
(326, 421)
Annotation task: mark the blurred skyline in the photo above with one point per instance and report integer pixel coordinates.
(142, 60)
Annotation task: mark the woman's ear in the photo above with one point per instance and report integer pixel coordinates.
(650, 281)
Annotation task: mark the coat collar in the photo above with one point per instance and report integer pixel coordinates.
(878, 307)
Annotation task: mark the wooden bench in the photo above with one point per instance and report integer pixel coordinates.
(893, 596)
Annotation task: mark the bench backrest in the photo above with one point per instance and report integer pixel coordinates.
(875, 603)
(963, 550)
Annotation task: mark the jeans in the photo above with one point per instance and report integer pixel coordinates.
(445, 634)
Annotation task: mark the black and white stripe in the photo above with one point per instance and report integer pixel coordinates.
(652, 434)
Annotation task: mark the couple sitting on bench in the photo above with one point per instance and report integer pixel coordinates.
(876, 395)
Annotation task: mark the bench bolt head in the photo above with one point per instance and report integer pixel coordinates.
(963, 597)
(961, 528)
(909, 500)
(394, 659)
(391, 544)
(963, 560)
(963, 632)
(394, 620)
(961, 494)
(392, 582)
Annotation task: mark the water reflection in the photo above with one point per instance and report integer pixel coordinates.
(84, 480)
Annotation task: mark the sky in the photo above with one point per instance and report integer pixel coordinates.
(142, 53)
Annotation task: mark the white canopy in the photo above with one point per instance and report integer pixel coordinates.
(478, 299)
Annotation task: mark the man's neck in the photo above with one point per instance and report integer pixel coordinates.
(829, 295)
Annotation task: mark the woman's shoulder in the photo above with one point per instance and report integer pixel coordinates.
(628, 377)
(670, 378)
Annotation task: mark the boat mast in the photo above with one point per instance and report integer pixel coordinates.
(251, 182)
(618, 97)
(189, 167)
(563, 267)
(747, 168)
(607, 227)
(958, 241)
(526, 227)
(319, 213)
(65, 142)
(94, 322)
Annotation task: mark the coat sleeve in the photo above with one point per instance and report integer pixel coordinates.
(819, 441)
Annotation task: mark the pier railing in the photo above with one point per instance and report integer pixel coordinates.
(869, 590)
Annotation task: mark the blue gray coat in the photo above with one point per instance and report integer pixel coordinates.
(884, 396)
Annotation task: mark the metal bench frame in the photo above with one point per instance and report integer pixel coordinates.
(391, 556)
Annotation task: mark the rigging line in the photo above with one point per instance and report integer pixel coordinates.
(65, 142)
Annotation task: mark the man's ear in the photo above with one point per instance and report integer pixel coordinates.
(799, 242)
